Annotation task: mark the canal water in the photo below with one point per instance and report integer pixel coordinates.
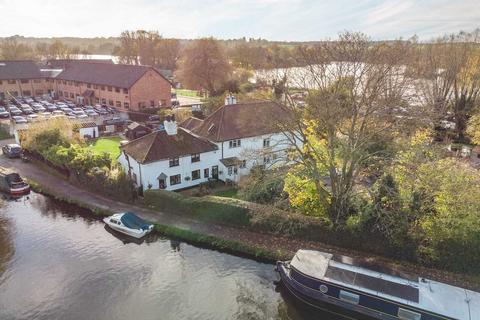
(60, 262)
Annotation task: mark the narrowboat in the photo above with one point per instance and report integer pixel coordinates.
(321, 279)
(129, 223)
(12, 184)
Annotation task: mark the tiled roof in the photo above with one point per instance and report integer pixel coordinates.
(190, 123)
(242, 120)
(158, 145)
(21, 69)
(116, 75)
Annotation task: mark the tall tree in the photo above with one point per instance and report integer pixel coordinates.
(353, 87)
(204, 65)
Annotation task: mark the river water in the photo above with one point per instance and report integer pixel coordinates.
(60, 262)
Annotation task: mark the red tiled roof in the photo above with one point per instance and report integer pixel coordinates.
(241, 121)
(116, 75)
(191, 123)
(158, 145)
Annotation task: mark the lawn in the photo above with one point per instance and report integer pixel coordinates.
(109, 145)
(186, 92)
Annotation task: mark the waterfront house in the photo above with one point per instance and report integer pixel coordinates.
(225, 146)
(171, 158)
(247, 134)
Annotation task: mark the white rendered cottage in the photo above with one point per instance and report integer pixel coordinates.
(169, 159)
(246, 134)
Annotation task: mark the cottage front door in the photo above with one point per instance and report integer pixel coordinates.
(161, 184)
(215, 172)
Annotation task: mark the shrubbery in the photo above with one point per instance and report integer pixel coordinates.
(57, 145)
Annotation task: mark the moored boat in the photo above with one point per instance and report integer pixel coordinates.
(12, 184)
(129, 224)
(320, 279)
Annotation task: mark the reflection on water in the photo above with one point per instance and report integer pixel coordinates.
(6, 243)
(62, 263)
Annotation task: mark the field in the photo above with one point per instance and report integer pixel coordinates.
(109, 145)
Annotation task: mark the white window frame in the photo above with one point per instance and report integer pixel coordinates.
(234, 143)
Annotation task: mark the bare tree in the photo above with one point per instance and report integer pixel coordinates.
(354, 86)
(204, 65)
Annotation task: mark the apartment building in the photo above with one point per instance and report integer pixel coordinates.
(23, 78)
(125, 87)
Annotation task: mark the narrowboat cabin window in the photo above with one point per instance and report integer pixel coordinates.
(349, 297)
(405, 314)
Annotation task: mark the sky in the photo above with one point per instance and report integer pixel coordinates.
(280, 20)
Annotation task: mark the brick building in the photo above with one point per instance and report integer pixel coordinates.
(23, 78)
(126, 87)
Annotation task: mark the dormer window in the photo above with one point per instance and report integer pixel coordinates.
(174, 162)
(195, 157)
(234, 143)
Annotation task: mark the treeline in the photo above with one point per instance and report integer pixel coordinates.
(14, 49)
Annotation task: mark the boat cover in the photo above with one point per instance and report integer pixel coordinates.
(132, 221)
(312, 263)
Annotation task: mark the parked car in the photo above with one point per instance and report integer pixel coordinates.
(91, 113)
(32, 118)
(78, 112)
(57, 113)
(12, 150)
(46, 115)
(52, 107)
(4, 113)
(15, 111)
(19, 119)
(38, 107)
(82, 116)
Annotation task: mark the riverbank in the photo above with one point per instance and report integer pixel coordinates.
(237, 240)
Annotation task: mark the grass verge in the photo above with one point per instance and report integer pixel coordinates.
(195, 238)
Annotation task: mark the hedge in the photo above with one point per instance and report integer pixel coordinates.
(212, 209)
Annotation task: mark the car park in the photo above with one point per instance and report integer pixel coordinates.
(58, 112)
(71, 117)
(82, 116)
(78, 112)
(77, 109)
(19, 119)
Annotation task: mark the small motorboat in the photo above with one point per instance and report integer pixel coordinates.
(359, 290)
(129, 224)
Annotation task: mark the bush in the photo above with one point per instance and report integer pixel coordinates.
(213, 209)
(262, 186)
